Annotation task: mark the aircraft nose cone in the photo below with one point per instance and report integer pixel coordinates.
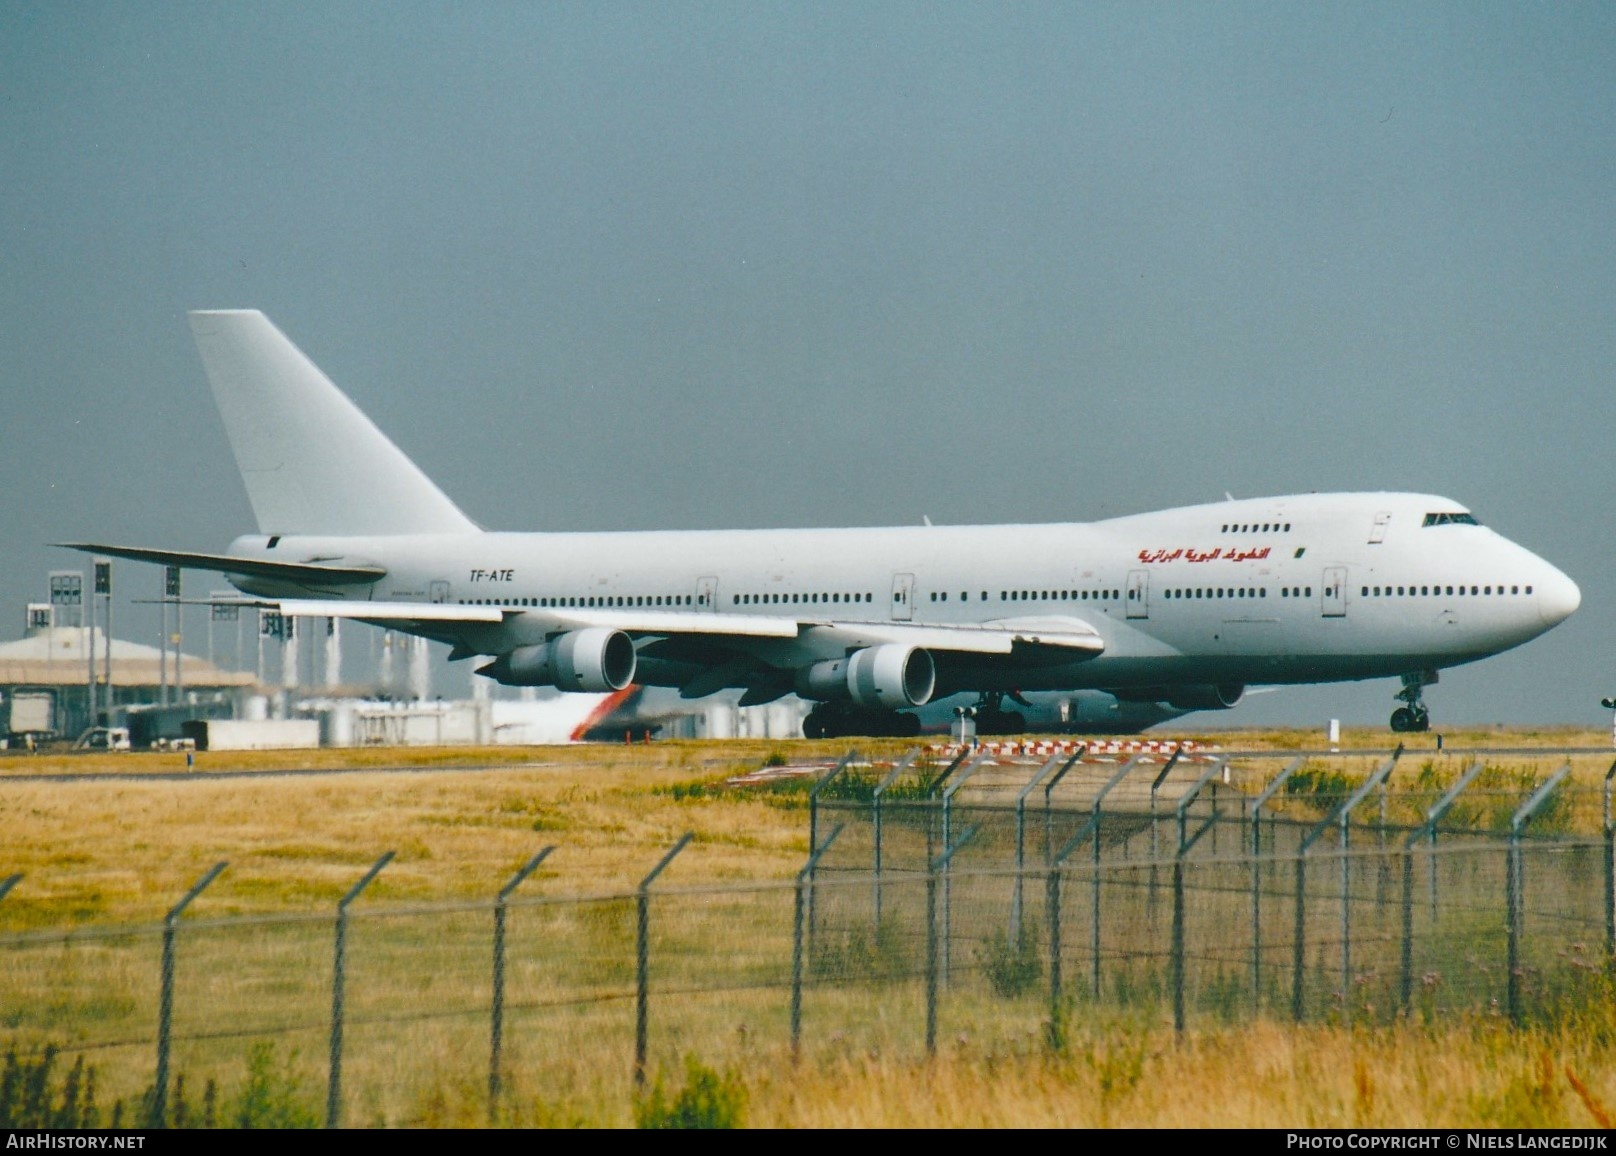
(1557, 597)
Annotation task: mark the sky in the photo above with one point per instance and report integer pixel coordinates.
(634, 266)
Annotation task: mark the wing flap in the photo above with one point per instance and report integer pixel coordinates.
(675, 622)
(388, 611)
(1076, 639)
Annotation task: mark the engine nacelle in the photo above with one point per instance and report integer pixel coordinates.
(891, 676)
(1195, 696)
(596, 659)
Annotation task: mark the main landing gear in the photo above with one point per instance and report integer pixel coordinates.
(993, 719)
(833, 720)
(1413, 717)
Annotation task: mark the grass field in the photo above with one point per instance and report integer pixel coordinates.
(107, 848)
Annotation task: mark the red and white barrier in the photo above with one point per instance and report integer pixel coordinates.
(1047, 747)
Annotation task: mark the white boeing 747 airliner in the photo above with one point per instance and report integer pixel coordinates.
(1185, 606)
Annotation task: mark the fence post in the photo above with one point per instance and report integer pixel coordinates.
(1299, 939)
(1021, 841)
(1610, 878)
(813, 829)
(932, 869)
(928, 795)
(1406, 988)
(1095, 821)
(165, 1003)
(1344, 818)
(642, 957)
(876, 813)
(333, 1095)
(1262, 799)
(796, 939)
(1255, 815)
(949, 792)
(1155, 786)
(496, 1017)
(1515, 884)
(1512, 900)
(1185, 842)
(1339, 816)
(1427, 829)
(1052, 905)
(1178, 943)
(1052, 901)
(1049, 789)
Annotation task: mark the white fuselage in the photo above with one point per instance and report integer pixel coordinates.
(1305, 588)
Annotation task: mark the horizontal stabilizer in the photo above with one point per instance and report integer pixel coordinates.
(307, 573)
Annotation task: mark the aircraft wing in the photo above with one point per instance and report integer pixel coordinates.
(1071, 635)
(1047, 639)
(306, 573)
(1074, 639)
(387, 611)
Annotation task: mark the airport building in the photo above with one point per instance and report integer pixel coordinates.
(62, 678)
(46, 680)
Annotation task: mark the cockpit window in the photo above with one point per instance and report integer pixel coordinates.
(1451, 520)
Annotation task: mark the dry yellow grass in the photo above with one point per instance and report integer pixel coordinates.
(1259, 1076)
(115, 850)
(108, 849)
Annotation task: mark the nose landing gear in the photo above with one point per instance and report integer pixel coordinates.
(1413, 717)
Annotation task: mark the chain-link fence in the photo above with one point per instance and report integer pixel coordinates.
(922, 915)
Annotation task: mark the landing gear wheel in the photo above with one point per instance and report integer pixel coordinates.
(833, 720)
(1413, 718)
(993, 719)
(1410, 720)
(1000, 722)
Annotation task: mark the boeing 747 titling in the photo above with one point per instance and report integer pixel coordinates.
(1185, 606)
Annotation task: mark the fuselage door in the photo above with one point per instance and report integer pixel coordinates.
(903, 597)
(707, 595)
(1138, 604)
(1377, 532)
(438, 592)
(1333, 603)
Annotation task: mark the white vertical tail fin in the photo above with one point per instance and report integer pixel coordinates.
(313, 463)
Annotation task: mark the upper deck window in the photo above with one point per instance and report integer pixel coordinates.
(1451, 520)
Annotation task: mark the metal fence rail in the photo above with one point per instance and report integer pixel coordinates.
(602, 990)
(954, 904)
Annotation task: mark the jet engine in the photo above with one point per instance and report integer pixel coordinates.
(889, 676)
(595, 659)
(1201, 696)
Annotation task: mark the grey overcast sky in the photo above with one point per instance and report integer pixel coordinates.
(621, 266)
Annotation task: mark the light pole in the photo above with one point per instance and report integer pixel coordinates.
(1610, 705)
